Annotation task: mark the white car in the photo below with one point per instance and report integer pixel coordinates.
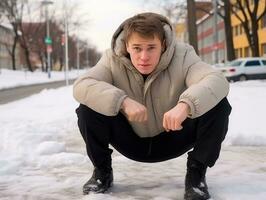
(245, 68)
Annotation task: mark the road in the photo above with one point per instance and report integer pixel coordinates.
(13, 94)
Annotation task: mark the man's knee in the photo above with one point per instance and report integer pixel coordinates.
(224, 106)
(81, 109)
(84, 111)
(218, 115)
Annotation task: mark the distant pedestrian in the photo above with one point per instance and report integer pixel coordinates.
(152, 99)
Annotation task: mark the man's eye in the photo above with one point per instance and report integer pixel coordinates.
(137, 49)
(151, 48)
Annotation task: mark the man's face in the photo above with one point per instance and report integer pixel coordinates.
(144, 52)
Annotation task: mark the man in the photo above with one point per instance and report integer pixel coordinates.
(152, 99)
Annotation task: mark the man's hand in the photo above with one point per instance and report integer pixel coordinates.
(172, 120)
(134, 110)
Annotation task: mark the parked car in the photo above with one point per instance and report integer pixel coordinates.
(245, 68)
(217, 65)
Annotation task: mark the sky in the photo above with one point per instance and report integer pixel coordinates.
(106, 15)
(42, 155)
(101, 17)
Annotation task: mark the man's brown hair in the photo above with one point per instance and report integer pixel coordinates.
(146, 24)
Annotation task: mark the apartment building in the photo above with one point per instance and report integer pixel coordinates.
(209, 43)
(241, 45)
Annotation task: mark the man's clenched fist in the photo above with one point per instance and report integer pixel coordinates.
(134, 110)
(172, 120)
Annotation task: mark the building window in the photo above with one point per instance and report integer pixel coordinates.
(236, 53)
(263, 21)
(247, 52)
(263, 49)
(240, 53)
(241, 29)
(236, 30)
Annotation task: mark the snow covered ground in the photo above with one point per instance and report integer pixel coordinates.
(10, 78)
(42, 155)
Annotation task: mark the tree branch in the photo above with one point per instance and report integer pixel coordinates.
(242, 11)
(248, 8)
(263, 13)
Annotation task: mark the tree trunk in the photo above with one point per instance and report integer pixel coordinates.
(13, 53)
(191, 24)
(255, 39)
(27, 55)
(41, 59)
(250, 15)
(228, 31)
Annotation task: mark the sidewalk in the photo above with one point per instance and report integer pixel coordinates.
(13, 79)
(42, 155)
(238, 175)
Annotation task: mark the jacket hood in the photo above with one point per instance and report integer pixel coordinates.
(118, 44)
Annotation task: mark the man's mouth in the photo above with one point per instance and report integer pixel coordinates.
(144, 65)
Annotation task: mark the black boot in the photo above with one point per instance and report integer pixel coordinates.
(195, 183)
(100, 181)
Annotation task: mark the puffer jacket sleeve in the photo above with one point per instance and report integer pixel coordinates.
(95, 90)
(206, 86)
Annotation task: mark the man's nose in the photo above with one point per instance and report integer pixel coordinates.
(144, 56)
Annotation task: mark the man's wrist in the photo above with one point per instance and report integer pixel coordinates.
(123, 104)
(187, 107)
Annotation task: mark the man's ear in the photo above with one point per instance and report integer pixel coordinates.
(127, 47)
(163, 46)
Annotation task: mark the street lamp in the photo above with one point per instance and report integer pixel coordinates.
(48, 40)
(215, 32)
(77, 47)
(78, 55)
(66, 44)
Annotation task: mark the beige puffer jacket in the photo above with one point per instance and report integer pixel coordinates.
(179, 76)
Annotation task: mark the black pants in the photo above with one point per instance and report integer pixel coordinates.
(204, 134)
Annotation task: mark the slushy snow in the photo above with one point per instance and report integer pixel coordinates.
(42, 154)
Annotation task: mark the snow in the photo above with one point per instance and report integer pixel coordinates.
(248, 117)
(10, 78)
(42, 154)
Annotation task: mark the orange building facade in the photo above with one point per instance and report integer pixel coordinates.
(242, 48)
(207, 43)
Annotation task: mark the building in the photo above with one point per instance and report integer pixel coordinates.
(181, 28)
(211, 45)
(208, 42)
(6, 41)
(181, 34)
(241, 45)
(205, 32)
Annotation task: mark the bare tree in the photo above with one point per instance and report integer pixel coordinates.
(181, 11)
(29, 30)
(176, 11)
(13, 10)
(226, 16)
(76, 22)
(225, 6)
(249, 17)
(191, 24)
(34, 33)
